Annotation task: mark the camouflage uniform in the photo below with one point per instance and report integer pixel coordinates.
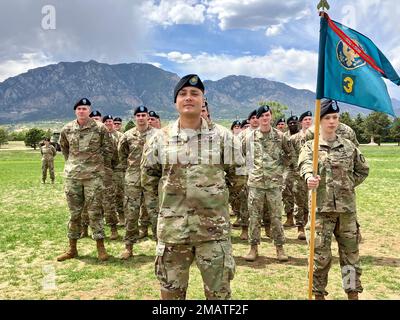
(343, 131)
(270, 154)
(130, 151)
(87, 152)
(342, 167)
(48, 154)
(288, 194)
(118, 180)
(193, 221)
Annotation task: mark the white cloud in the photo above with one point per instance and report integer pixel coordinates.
(274, 30)
(10, 68)
(169, 12)
(176, 56)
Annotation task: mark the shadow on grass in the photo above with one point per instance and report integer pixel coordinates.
(116, 261)
(380, 261)
(263, 261)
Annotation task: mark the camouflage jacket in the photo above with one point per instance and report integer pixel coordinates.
(48, 153)
(297, 141)
(342, 167)
(130, 151)
(86, 149)
(343, 131)
(270, 154)
(189, 171)
(116, 138)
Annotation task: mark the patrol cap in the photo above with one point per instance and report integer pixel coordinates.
(292, 118)
(95, 113)
(82, 102)
(235, 123)
(328, 106)
(251, 114)
(140, 109)
(117, 119)
(107, 117)
(305, 114)
(190, 80)
(244, 122)
(261, 110)
(280, 120)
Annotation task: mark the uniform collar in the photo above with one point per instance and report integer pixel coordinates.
(334, 144)
(176, 131)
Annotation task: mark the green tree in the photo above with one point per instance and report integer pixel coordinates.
(395, 131)
(346, 119)
(130, 124)
(376, 127)
(358, 127)
(34, 136)
(276, 107)
(3, 136)
(17, 135)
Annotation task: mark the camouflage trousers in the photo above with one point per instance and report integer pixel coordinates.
(235, 202)
(244, 211)
(47, 164)
(301, 196)
(80, 194)
(118, 180)
(109, 199)
(344, 227)
(288, 196)
(213, 258)
(144, 217)
(272, 199)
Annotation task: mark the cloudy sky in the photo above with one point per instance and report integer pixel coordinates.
(277, 40)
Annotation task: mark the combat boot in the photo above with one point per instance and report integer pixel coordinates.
(237, 223)
(43, 181)
(253, 253)
(52, 181)
(280, 254)
(301, 234)
(319, 297)
(289, 221)
(71, 253)
(84, 232)
(101, 251)
(127, 253)
(173, 294)
(245, 233)
(267, 229)
(352, 295)
(143, 232)
(114, 233)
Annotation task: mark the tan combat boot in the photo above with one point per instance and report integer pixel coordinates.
(268, 232)
(173, 295)
(101, 251)
(114, 233)
(71, 253)
(280, 254)
(52, 181)
(319, 297)
(301, 234)
(253, 253)
(289, 221)
(143, 232)
(245, 233)
(352, 295)
(127, 253)
(84, 232)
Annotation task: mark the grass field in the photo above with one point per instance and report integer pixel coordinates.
(33, 220)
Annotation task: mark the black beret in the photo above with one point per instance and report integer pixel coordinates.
(95, 113)
(82, 102)
(244, 122)
(140, 109)
(281, 120)
(292, 118)
(107, 117)
(152, 114)
(117, 119)
(46, 139)
(251, 114)
(190, 80)
(305, 114)
(235, 123)
(328, 106)
(261, 110)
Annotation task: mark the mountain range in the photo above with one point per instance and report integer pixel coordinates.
(48, 93)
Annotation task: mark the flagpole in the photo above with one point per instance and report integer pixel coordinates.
(313, 199)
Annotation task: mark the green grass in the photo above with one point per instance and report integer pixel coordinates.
(33, 227)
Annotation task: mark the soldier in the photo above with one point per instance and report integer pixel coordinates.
(85, 145)
(341, 167)
(109, 187)
(269, 153)
(130, 151)
(96, 115)
(235, 127)
(48, 153)
(297, 141)
(193, 222)
(118, 175)
(154, 120)
(289, 177)
(280, 124)
(244, 124)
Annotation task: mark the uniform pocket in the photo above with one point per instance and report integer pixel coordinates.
(159, 266)
(229, 261)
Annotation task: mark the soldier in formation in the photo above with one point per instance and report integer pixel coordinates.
(48, 153)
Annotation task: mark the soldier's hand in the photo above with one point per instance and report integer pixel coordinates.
(313, 182)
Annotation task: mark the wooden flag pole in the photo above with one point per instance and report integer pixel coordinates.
(313, 198)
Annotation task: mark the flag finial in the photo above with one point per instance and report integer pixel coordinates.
(322, 5)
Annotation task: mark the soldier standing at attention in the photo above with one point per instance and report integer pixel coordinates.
(130, 151)
(280, 125)
(235, 127)
(270, 153)
(85, 144)
(48, 153)
(341, 167)
(190, 164)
